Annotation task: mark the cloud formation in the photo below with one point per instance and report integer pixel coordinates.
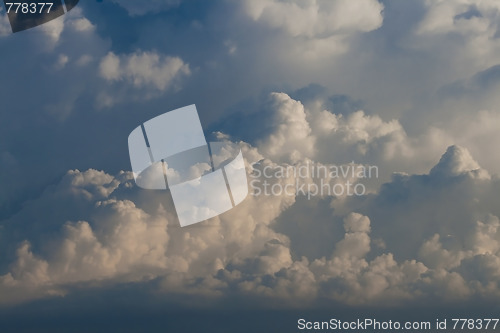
(143, 69)
(317, 18)
(430, 232)
(149, 72)
(110, 231)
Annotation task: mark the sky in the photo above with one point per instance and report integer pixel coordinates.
(409, 87)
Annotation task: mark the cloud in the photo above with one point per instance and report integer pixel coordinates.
(429, 233)
(311, 30)
(112, 232)
(298, 132)
(150, 72)
(292, 137)
(74, 21)
(465, 17)
(473, 25)
(457, 161)
(143, 69)
(356, 242)
(317, 18)
(291, 132)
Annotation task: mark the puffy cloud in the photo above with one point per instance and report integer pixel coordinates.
(74, 21)
(356, 242)
(143, 69)
(149, 72)
(317, 18)
(114, 239)
(476, 132)
(457, 161)
(474, 25)
(314, 29)
(464, 17)
(81, 24)
(430, 234)
(434, 256)
(292, 138)
(121, 241)
(120, 234)
(296, 131)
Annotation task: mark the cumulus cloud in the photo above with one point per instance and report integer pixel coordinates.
(431, 232)
(475, 131)
(317, 18)
(150, 72)
(465, 17)
(111, 231)
(299, 132)
(296, 133)
(457, 161)
(473, 23)
(356, 242)
(292, 138)
(74, 21)
(316, 28)
(143, 69)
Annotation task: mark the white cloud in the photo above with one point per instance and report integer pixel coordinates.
(315, 29)
(464, 17)
(356, 242)
(139, 75)
(298, 132)
(53, 29)
(110, 232)
(457, 161)
(143, 69)
(474, 27)
(292, 138)
(82, 24)
(317, 18)
(119, 234)
(72, 21)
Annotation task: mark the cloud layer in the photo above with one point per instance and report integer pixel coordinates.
(408, 87)
(414, 240)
